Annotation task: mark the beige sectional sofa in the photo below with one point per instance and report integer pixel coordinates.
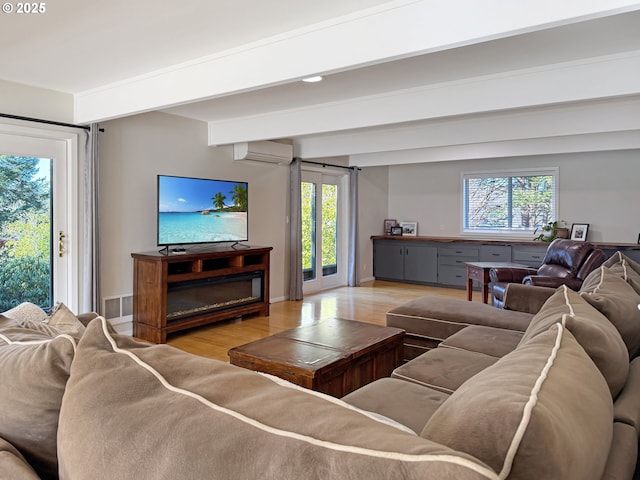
(482, 363)
(87, 403)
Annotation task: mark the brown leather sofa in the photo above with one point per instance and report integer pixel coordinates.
(566, 262)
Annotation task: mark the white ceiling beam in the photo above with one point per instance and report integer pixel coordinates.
(391, 31)
(610, 76)
(600, 142)
(621, 114)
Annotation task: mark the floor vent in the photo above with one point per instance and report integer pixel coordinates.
(119, 312)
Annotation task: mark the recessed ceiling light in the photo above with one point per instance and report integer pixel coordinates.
(317, 78)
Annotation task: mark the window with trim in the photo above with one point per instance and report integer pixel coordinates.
(509, 202)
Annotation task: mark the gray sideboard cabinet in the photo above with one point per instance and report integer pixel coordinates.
(441, 260)
(405, 261)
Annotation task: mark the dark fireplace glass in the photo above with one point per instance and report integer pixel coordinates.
(212, 294)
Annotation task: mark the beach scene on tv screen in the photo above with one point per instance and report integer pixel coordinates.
(192, 210)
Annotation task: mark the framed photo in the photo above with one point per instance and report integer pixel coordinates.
(579, 232)
(388, 223)
(409, 228)
(396, 231)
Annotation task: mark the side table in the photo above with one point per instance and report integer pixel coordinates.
(480, 271)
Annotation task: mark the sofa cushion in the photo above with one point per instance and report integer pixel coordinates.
(13, 465)
(443, 369)
(64, 320)
(441, 317)
(59, 320)
(625, 267)
(623, 454)
(405, 402)
(149, 412)
(532, 411)
(626, 408)
(496, 342)
(34, 369)
(594, 332)
(618, 301)
(26, 311)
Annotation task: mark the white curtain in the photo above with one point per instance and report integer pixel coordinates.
(295, 228)
(90, 282)
(353, 254)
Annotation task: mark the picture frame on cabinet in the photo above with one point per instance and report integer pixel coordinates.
(388, 224)
(579, 232)
(409, 228)
(396, 231)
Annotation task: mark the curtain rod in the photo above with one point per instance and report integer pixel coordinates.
(330, 165)
(49, 122)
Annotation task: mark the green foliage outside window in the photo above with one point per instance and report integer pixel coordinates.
(329, 224)
(310, 209)
(25, 230)
(308, 198)
(509, 203)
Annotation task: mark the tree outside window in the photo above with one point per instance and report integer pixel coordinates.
(508, 203)
(25, 231)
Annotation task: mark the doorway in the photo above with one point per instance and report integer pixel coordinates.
(35, 237)
(324, 230)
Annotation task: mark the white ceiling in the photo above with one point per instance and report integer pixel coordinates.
(389, 65)
(79, 45)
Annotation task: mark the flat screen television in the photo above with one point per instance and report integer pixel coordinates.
(200, 210)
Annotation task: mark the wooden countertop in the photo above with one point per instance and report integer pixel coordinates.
(406, 238)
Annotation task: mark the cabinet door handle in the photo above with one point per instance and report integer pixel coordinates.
(495, 254)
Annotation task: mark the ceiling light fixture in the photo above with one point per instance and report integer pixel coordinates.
(315, 79)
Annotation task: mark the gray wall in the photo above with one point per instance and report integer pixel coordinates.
(599, 188)
(134, 150)
(595, 188)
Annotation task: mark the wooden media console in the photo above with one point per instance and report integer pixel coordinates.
(173, 292)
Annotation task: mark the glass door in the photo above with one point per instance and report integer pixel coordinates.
(323, 231)
(33, 221)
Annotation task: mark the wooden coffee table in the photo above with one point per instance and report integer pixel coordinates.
(331, 356)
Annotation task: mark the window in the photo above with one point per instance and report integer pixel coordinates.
(506, 202)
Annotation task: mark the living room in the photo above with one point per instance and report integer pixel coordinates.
(416, 94)
(404, 173)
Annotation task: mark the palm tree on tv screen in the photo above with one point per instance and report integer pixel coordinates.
(218, 201)
(239, 196)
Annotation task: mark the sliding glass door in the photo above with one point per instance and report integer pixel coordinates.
(323, 231)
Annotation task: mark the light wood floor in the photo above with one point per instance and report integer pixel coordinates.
(367, 303)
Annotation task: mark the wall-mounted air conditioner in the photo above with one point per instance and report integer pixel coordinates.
(263, 151)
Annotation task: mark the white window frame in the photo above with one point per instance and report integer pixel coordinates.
(516, 233)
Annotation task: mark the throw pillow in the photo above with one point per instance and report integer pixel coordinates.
(63, 319)
(26, 311)
(34, 369)
(152, 411)
(42, 327)
(618, 301)
(532, 411)
(595, 333)
(626, 268)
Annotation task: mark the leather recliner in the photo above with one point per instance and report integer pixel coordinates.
(566, 262)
